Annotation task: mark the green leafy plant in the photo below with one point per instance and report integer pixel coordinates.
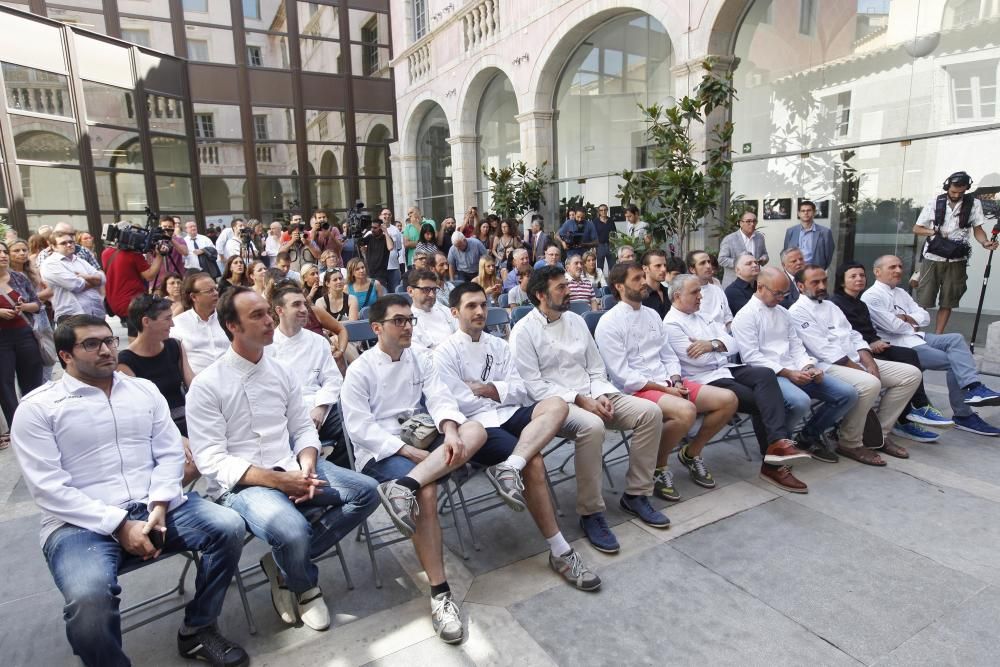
(517, 189)
(576, 201)
(679, 191)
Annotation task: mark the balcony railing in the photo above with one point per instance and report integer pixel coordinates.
(480, 24)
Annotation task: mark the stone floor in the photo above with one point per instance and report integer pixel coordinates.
(897, 566)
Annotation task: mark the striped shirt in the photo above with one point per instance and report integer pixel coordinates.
(580, 290)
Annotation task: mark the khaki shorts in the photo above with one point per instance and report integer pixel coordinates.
(949, 279)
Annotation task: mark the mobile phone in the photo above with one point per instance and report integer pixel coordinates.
(156, 537)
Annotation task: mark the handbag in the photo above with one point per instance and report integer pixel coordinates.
(418, 430)
(943, 247)
(43, 334)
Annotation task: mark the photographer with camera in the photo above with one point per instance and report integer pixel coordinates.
(327, 237)
(376, 246)
(126, 267)
(946, 221)
(300, 244)
(172, 247)
(578, 234)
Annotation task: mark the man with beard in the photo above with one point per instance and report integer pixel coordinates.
(714, 305)
(654, 270)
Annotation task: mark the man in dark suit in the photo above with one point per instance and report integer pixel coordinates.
(744, 240)
(815, 241)
(739, 292)
(535, 239)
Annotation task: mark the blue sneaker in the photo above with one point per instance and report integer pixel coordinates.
(639, 506)
(980, 394)
(928, 416)
(595, 526)
(912, 431)
(973, 424)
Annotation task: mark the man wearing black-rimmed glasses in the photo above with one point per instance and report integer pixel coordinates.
(434, 321)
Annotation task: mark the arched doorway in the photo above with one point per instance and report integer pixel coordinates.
(434, 175)
(498, 131)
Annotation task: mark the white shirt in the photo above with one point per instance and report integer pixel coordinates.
(458, 359)
(637, 230)
(825, 331)
(220, 242)
(203, 340)
(748, 242)
(950, 228)
(272, 244)
(709, 367)
(397, 248)
(885, 304)
(433, 325)
(307, 358)
(558, 358)
(633, 344)
(197, 242)
(715, 305)
(85, 456)
(71, 295)
(243, 414)
(378, 391)
(766, 337)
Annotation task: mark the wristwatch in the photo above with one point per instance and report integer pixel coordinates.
(716, 345)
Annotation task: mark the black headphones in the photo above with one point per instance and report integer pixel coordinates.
(958, 178)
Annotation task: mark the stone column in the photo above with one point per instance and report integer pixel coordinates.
(404, 182)
(537, 144)
(464, 173)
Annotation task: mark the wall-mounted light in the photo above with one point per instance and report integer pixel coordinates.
(521, 59)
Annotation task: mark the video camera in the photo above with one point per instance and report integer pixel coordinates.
(150, 238)
(359, 221)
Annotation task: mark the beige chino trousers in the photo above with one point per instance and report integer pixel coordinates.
(899, 381)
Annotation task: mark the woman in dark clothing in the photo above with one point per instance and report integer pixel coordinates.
(20, 359)
(157, 357)
(235, 274)
(849, 283)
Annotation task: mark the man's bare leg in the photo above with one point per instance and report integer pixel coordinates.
(942, 320)
(718, 406)
(436, 466)
(678, 418)
(547, 419)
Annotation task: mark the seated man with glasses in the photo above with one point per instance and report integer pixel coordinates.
(479, 372)
(258, 449)
(383, 389)
(766, 336)
(434, 321)
(111, 497)
(197, 328)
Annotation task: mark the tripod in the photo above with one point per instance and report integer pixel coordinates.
(986, 279)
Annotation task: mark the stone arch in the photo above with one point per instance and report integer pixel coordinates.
(419, 108)
(726, 25)
(215, 195)
(471, 94)
(328, 166)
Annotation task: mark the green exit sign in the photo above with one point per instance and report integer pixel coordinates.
(747, 147)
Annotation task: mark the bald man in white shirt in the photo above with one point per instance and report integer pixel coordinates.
(434, 319)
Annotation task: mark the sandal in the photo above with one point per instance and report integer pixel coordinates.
(892, 449)
(4, 441)
(861, 455)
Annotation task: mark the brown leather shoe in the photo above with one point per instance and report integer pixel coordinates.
(782, 451)
(782, 477)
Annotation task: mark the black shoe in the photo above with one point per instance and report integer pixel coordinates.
(818, 447)
(209, 645)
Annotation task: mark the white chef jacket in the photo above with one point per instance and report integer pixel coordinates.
(459, 359)
(558, 358)
(377, 391)
(85, 455)
(709, 367)
(307, 358)
(71, 295)
(204, 341)
(885, 304)
(433, 325)
(714, 304)
(633, 345)
(242, 414)
(767, 337)
(825, 331)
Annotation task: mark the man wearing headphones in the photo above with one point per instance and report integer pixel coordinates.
(946, 221)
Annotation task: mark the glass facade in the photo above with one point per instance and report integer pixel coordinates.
(158, 113)
(866, 106)
(434, 179)
(498, 130)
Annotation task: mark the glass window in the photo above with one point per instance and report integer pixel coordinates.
(174, 192)
(121, 191)
(41, 140)
(208, 11)
(204, 126)
(223, 194)
(419, 19)
(318, 20)
(111, 147)
(497, 127)
(373, 161)
(225, 119)
(166, 114)
(374, 191)
(370, 27)
(370, 60)
(600, 126)
(33, 44)
(323, 125)
(78, 18)
(267, 50)
(328, 193)
(103, 61)
(321, 55)
(251, 10)
(213, 45)
(145, 8)
(78, 219)
(325, 159)
(51, 188)
(273, 124)
(974, 90)
(152, 34)
(279, 194)
(108, 104)
(139, 36)
(277, 159)
(36, 90)
(170, 154)
(807, 17)
(162, 74)
(434, 177)
(220, 157)
(374, 128)
(199, 6)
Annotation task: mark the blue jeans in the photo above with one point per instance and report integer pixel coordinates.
(85, 567)
(837, 396)
(950, 352)
(299, 533)
(393, 276)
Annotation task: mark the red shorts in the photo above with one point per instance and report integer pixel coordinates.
(654, 395)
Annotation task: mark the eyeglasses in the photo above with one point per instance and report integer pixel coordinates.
(64, 243)
(210, 290)
(94, 344)
(750, 220)
(776, 294)
(428, 290)
(399, 322)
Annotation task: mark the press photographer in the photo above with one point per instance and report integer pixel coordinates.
(300, 244)
(578, 234)
(946, 220)
(176, 251)
(127, 269)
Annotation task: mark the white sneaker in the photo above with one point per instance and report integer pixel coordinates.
(282, 598)
(312, 609)
(446, 618)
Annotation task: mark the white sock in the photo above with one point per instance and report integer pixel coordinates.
(516, 462)
(558, 544)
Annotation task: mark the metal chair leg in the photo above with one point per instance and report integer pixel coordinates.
(343, 566)
(468, 517)
(552, 494)
(246, 604)
(454, 516)
(371, 553)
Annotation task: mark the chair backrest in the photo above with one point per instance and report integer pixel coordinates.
(363, 313)
(580, 307)
(518, 313)
(502, 301)
(406, 295)
(401, 289)
(498, 322)
(607, 291)
(591, 318)
(359, 331)
(608, 301)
